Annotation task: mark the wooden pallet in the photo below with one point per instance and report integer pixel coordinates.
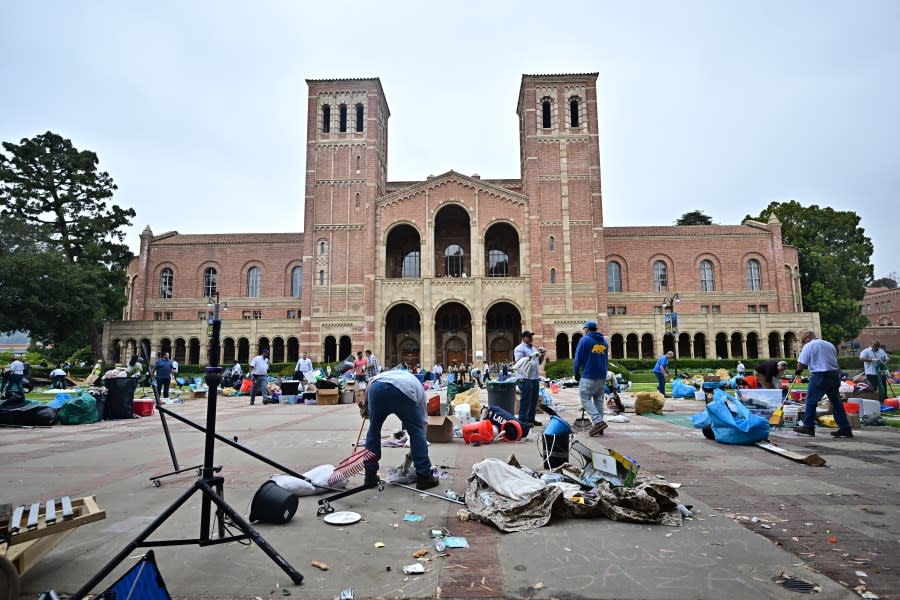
(34, 530)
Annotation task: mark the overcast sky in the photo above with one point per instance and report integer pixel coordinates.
(198, 109)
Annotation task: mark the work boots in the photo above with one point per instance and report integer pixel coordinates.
(372, 478)
(426, 483)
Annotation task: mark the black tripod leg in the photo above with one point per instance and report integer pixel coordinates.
(136, 542)
(254, 535)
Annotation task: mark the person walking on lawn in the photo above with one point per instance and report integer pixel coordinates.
(824, 380)
(591, 365)
(661, 370)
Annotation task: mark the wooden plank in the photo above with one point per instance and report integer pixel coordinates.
(812, 459)
(25, 556)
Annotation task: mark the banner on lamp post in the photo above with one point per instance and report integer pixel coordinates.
(672, 323)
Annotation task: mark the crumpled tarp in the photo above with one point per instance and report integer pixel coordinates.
(647, 502)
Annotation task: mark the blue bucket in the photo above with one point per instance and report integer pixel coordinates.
(557, 426)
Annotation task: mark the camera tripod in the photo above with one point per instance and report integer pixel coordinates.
(209, 485)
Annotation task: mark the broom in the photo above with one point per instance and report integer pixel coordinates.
(353, 464)
(775, 419)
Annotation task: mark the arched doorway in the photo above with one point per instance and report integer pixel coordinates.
(293, 349)
(115, 351)
(403, 335)
(180, 351)
(194, 352)
(737, 345)
(263, 344)
(503, 325)
(668, 343)
(278, 350)
(699, 345)
(228, 351)
(453, 334)
(684, 345)
(632, 347)
(775, 345)
(345, 347)
(145, 350)
(329, 349)
(165, 345)
(617, 346)
(790, 344)
(576, 337)
(452, 243)
(562, 346)
(721, 345)
(752, 345)
(647, 350)
(243, 350)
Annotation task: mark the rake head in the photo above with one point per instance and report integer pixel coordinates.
(350, 466)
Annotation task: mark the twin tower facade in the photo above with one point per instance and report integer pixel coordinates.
(452, 268)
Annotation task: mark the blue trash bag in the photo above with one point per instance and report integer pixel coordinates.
(701, 419)
(733, 423)
(682, 390)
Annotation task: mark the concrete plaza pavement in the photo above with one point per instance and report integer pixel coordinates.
(757, 515)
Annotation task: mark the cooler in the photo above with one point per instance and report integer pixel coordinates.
(143, 407)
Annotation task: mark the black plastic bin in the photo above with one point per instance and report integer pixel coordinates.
(502, 394)
(120, 397)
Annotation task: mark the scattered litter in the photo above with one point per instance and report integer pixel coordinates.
(413, 518)
(765, 526)
(452, 495)
(379, 544)
(319, 565)
(439, 544)
(414, 569)
(832, 539)
(463, 514)
(539, 585)
(869, 596)
(420, 553)
(567, 549)
(454, 541)
(861, 574)
(346, 594)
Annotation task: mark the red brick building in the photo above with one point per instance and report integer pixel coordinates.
(453, 268)
(882, 307)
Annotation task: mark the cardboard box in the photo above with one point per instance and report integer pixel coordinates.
(854, 421)
(711, 378)
(439, 430)
(327, 397)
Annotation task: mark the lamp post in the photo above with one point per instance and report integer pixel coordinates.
(671, 323)
(213, 377)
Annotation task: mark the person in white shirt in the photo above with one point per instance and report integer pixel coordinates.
(875, 361)
(16, 375)
(304, 368)
(259, 371)
(438, 370)
(59, 378)
(740, 369)
(175, 374)
(824, 380)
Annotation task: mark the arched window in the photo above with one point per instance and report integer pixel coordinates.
(707, 279)
(574, 117)
(323, 247)
(552, 275)
(297, 282)
(342, 118)
(411, 265)
(545, 114)
(326, 118)
(454, 260)
(209, 282)
(660, 276)
(613, 277)
(166, 283)
(357, 199)
(254, 276)
(322, 277)
(359, 117)
(753, 281)
(498, 263)
(358, 160)
(551, 244)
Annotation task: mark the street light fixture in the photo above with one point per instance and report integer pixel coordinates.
(671, 322)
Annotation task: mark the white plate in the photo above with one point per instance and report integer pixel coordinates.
(344, 517)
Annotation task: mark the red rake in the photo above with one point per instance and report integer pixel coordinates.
(350, 466)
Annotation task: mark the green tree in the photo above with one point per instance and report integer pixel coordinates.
(835, 255)
(62, 254)
(884, 282)
(695, 217)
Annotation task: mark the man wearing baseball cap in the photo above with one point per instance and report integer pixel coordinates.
(528, 360)
(259, 372)
(590, 365)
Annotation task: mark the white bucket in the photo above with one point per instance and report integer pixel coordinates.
(791, 415)
(699, 396)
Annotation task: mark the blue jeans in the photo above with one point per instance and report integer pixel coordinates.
(528, 390)
(259, 386)
(592, 393)
(386, 400)
(162, 384)
(660, 383)
(825, 384)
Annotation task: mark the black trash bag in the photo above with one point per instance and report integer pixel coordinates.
(30, 414)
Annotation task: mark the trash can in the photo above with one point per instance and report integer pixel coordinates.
(120, 397)
(502, 394)
(554, 447)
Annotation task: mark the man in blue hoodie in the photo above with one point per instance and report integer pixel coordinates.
(591, 363)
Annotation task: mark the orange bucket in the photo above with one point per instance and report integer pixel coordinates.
(895, 402)
(852, 408)
(479, 432)
(554, 388)
(246, 385)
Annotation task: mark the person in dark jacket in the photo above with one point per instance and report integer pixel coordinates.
(769, 370)
(163, 373)
(591, 365)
